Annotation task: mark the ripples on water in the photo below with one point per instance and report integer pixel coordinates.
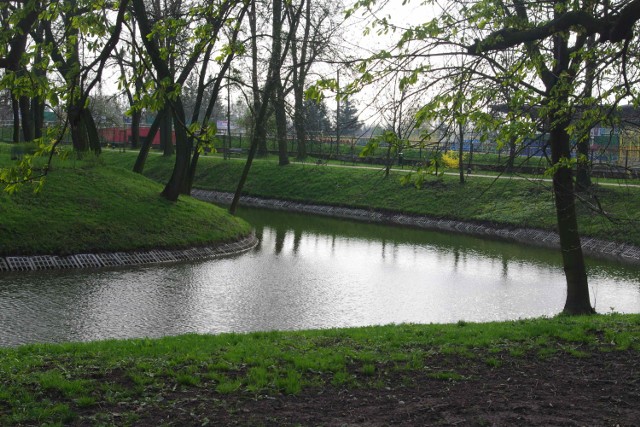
(307, 272)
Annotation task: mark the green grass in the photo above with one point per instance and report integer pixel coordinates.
(89, 207)
(505, 202)
(48, 384)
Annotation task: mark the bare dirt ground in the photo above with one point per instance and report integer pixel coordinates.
(599, 389)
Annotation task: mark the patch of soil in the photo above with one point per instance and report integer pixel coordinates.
(602, 389)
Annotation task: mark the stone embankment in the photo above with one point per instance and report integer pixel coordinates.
(591, 246)
(116, 259)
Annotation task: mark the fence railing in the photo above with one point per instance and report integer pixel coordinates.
(479, 154)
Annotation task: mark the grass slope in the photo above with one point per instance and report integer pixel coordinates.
(135, 382)
(86, 207)
(518, 203)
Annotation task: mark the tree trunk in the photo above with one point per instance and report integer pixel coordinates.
(299, 122)
(572, 257)
(27, 119)
(138, 167)
(166, 136)
(136, 118)
(78, 136)
(183, 153)
(15, 108)
(278, 100)
(461, 152)
(512, 157)
(37, 109)
(578, 301)
(262, 150)
(92, 131)
(183, 144)
(260, 116)
(281, 127)
(583, 175)
(559, 119)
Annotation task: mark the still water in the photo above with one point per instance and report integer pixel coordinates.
(307, 272)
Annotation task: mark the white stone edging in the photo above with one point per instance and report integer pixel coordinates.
(116, 259)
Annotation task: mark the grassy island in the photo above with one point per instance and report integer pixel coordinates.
(86, 206)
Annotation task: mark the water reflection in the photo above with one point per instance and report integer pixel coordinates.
(307, 272)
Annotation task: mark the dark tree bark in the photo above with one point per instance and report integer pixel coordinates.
(583, 174)
(281, 125)
(136, 119)
(509, 167)
(556, 83)
(461, 152)
(138, 167)
(183, 145)
(260, 116)
(279, 104)
(15, 48)
(262, 149)
(209, 111)
(166, 130)
(37, 102)
(26, 117)
(300, 68)
(15, 108)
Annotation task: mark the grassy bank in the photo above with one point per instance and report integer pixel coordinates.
(87, 207)
(507, 202)
(134, 381)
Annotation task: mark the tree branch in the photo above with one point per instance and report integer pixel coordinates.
(614, 28)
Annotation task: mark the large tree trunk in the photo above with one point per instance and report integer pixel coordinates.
(183, 153)
(136, 118)
(92, 131)
(578, 301)
(559, 120)
(84, 134)
(78, 135)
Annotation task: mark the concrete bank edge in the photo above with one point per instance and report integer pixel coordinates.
(549, 239)
(119, 259)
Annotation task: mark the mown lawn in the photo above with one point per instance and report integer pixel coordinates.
(228, 379)
(608, 212)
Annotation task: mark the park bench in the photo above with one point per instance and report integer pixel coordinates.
(236, 151)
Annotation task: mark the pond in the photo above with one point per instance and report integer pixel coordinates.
(307, 272)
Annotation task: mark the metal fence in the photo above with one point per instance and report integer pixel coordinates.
(532, 153)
